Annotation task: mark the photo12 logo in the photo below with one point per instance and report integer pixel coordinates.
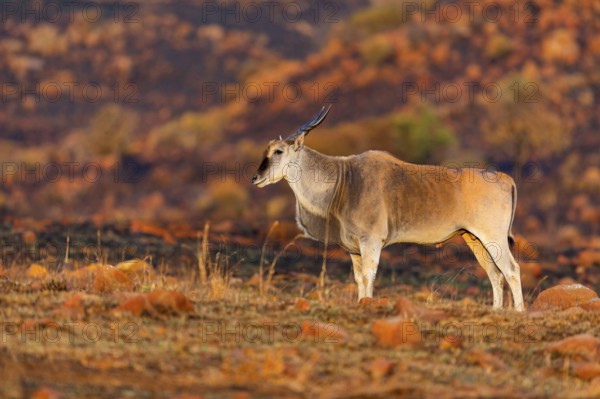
(68, 332)
(69, 92)
(471, 92)
(252, 12)
(473, 11)
(252, 92)
(53, 172)
(68, 11)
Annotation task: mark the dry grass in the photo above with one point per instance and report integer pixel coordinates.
(250, 337)
(237, 340)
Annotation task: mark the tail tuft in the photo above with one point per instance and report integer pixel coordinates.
(511, 238)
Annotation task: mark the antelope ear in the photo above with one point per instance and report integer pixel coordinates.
(299, 142)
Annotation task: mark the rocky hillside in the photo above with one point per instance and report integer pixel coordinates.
(160, 110)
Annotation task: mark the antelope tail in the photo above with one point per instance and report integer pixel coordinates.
(511, 238)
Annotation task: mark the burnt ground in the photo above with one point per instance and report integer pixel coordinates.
(71, 337)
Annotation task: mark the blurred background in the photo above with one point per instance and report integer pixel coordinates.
(158, 111)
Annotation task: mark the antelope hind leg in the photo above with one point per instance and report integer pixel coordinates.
(485, 260)
(357, 266)
(499, 250)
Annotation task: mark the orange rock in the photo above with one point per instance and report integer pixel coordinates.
(587, 371)
(136, 304)
(110, 279)
(76, 301)
(37, 271)
(584, 346)
(46, 393)
(451, 342)
(73, 307)
(170, 301)
(563, 297)
(83, 277)
(380, 367)
(592, 306)
(373, 302)
(486, 360)
(397, 332)
(407, 309)
(241, 395)
(301, 304)
(323, 332)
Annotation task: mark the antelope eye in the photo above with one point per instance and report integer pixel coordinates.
(278, 152)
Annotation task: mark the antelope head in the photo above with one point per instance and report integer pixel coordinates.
(280, 156)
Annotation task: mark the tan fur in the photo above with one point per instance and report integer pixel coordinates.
(377, 200)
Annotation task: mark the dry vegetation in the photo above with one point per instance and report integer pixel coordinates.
(374, 61)
(134, 330)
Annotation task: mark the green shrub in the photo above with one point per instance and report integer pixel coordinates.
(190, 131)
(376, 51)
(378, 19)
(421, 138)
(498, 46)
(111, 130)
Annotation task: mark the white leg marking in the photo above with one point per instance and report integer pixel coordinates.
(494, 274)
(357, 266)
(500, 252)
(370, 260)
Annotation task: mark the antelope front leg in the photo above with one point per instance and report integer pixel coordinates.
(369, 253)
(358, 277)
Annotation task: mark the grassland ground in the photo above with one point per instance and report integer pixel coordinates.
(142, 330)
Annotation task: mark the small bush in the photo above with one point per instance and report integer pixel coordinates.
(378, 19)
(111, 130)
(499, 46)
(189, 131)
(224, 200)
(421, 138)
(376, 51)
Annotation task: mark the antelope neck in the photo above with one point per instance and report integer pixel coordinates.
(316, 183)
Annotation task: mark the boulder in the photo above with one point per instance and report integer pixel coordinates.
(397, 332)
(563, 297)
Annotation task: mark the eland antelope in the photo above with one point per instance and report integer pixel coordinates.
(368, 201)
